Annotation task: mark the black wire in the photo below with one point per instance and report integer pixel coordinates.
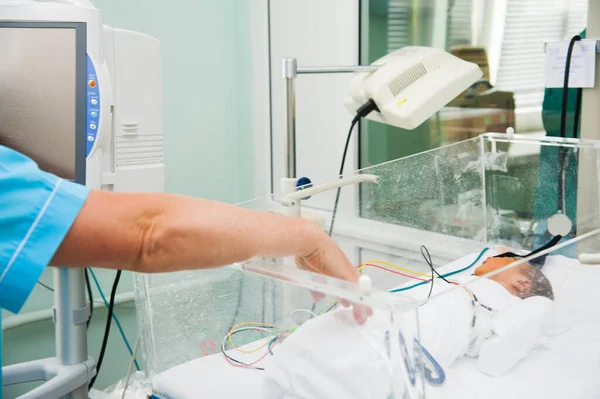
(562, 158)
(563, 122)
(339, 190)
(362, 112)
(45, 286)
(90, 296)
(563, 116)
(577, 113)
(111, 306)
(427, 257)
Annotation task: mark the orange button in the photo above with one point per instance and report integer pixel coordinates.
(92, 83)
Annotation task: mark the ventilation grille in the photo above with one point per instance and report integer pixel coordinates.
(140, 150)
(407, 78)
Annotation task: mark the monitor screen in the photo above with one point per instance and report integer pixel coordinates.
(39, 80)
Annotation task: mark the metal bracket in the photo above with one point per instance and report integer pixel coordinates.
(81, 315)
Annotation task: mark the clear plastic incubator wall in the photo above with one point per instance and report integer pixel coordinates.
(529, 328)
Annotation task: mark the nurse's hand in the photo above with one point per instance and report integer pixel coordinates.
(325, 257)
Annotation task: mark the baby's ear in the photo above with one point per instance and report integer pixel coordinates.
(522, 284)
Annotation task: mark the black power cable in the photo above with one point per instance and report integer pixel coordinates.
(88, 286)
(111, 306)
(563, 152)
(362, 112)
(46, 286)
(563, 115)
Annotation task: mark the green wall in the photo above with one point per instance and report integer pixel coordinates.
(206, 72)
(380, 142)
(208, 141)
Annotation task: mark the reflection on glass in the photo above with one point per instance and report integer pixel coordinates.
(505, 40)
(483, 188)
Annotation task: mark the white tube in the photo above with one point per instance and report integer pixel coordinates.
(32, 317)
(590, 258)
(292, 198)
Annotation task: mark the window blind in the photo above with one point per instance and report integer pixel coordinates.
(577, 17)
(399, 24)
(400, 13)
(460, 17)
(528, 25)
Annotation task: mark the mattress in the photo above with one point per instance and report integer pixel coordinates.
(567, 369)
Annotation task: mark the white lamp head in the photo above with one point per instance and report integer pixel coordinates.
(411, 85)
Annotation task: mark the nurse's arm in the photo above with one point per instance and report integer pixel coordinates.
(162, 232)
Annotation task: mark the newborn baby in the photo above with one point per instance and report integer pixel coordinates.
(497, 319)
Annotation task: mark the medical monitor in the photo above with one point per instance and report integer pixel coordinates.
(43, 94)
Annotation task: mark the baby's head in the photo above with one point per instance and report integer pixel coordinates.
(523, 280)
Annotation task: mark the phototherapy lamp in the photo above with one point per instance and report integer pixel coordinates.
(85, 102)
(403, 89)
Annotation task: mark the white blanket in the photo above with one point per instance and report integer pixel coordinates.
(332, 356)
(567, 368)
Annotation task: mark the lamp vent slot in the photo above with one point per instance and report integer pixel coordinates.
(407, 78)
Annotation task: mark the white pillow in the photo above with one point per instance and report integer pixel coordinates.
(517, 331)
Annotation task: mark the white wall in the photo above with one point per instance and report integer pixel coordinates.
(317, 33)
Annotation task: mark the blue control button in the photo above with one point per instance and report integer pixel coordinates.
(93, 107)
(302, 184)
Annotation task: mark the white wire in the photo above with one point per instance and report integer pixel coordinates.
(131, 363)
(300, 311)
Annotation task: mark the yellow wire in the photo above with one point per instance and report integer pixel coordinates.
(248, 323)
(395, 267)
(360, 267)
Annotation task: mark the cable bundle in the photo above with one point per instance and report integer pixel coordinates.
(265, 329)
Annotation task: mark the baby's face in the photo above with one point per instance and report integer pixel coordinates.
(512, 279)
(491, 264)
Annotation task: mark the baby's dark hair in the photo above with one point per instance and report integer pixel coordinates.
(540, 285)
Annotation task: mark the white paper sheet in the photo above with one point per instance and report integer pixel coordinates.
(583, 64)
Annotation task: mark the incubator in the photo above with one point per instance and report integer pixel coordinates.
(265, 329)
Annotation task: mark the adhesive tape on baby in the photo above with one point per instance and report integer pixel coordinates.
(559, 225)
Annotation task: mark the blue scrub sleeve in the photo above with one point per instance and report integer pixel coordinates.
(37, 210)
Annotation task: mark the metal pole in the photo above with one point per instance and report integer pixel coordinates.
(337, 69)
(71, 312)
(290, 70)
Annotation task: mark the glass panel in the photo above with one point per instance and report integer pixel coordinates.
(504, 39)
(487, 189)
(436, 191)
